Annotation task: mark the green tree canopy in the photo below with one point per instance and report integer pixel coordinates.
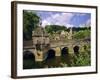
(55, 28)
(30, 22)
(82, 34)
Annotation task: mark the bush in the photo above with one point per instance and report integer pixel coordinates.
(82, 34)
(82, 59)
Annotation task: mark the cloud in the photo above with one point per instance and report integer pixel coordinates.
(80, 14)
(69, 25)
(45, 23)
(67, 19)
(87, 24)
(58, 19)
(63, 17)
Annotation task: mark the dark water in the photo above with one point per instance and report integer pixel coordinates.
(50, 62)
(65, 60)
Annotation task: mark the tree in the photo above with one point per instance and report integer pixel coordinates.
(55, 28)
(82, 34)
(30, 22)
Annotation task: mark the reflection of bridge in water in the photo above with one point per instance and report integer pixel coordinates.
(40, 45)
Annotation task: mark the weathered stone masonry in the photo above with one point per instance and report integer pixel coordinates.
(41, 43)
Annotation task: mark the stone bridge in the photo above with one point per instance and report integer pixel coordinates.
(41, 43)
(71, 47)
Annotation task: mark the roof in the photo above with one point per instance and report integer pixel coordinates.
(39, 32)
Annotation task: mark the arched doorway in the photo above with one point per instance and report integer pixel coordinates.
(50, 54)
(28, 60)
(64, 51)
(28, 55)
(76, 49)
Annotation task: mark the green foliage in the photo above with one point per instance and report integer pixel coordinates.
(81, 28)
(55, 28)
(82, 34)
(82, 59)
(79, 32)
(30, 21)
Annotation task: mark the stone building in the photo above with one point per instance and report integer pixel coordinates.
(40, 38)
(39, 44)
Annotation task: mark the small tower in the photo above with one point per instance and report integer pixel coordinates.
(40, 22)
(70, 34)
(41, 42)
(39, 35)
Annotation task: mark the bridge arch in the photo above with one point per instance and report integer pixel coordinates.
(76, 49)
(64, 50)
(85, 47)
(28, 55)
(51, 53)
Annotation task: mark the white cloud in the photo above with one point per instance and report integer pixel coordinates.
(87, 24)
(82, 25)
(69, 25)
(45, 23)
(59, 19)
(63, 17)
(80, 14)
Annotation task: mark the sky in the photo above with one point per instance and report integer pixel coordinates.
(68, 19)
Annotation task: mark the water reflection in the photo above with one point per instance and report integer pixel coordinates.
(50, 62)
(50, 54)
(64, 51)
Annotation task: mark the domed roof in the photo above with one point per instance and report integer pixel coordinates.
(38, 32)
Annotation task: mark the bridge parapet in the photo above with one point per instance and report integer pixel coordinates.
(40, 55)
